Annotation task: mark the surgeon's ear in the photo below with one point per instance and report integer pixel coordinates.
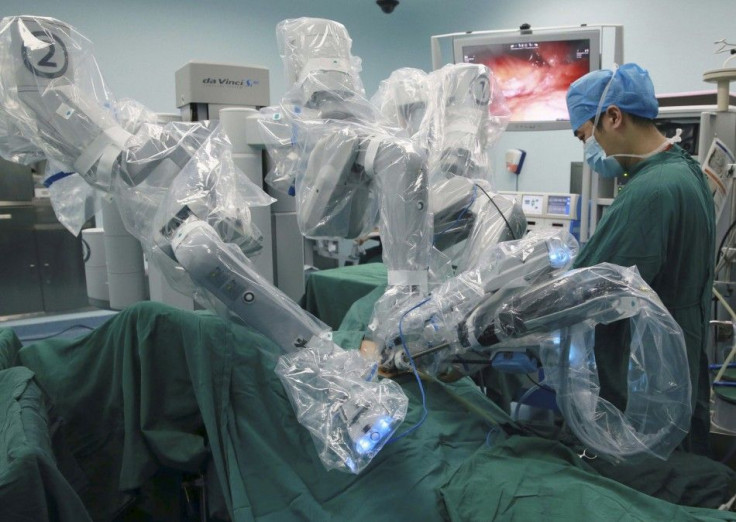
(615, 116)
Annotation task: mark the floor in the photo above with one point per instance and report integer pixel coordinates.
(66, 325)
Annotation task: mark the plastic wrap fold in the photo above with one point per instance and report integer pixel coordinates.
(429, 329)
(336, 394)
(349, 173)
(560, 317)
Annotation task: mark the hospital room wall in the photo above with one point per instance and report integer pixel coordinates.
(140, 43)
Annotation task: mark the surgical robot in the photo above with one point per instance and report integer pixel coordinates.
(349, 174)
(524, 311)
(344, 165)
(182, 197)
(455, 114)
(326, 105)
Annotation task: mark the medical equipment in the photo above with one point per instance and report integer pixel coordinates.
(535, 66)
(515, 160)
(549, 210)
(465, 115)
(455, 114)
(203, 88)
(349, 174)
(550, 324)
(402, 99)
(504, 267)
(179, 194)
(182, 197)
(232, 94)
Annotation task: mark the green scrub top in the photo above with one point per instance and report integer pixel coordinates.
(662, 221)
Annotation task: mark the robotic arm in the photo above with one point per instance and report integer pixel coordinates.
(455, 114)
(402, 99)
(553, 321)
(356, 173)
(465, 115)
(188, 204)
(431, 334)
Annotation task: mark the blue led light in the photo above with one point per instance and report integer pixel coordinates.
(558, 257)
(377, 433)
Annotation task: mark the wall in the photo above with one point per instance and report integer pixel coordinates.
(140, 43)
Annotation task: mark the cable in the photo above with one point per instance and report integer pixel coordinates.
(494, 431)
(84, 326)
(459, 217)
(513, 236)
(416, 375)
(718, 268)
(732, 353)
(88, 253)
(539, 384)
(482, 383)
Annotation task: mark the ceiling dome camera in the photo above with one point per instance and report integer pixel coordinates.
(387, 6)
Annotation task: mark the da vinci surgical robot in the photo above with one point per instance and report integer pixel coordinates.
(181, 196)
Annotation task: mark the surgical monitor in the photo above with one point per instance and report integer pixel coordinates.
(534, 70)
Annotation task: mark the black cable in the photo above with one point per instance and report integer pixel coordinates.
(539, 384)
(499, 211)
(58, 333)
(86, 255)
(718, 258)
(723, 241)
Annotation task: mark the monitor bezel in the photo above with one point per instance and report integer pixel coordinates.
(592, 34)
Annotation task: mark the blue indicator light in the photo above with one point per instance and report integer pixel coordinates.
(558, 257)
(377, 433)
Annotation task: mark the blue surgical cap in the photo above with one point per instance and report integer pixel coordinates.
(631, 91)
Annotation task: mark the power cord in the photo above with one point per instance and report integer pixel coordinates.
(416, 375)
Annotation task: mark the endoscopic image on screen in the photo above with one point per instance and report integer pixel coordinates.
(534, 76)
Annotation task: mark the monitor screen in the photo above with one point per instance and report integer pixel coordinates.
(534, 71)
(558, 205)
(532, 204)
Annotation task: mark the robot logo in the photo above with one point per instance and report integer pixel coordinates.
(481, 89)
(49, 61)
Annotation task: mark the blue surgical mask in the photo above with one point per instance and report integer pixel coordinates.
(595, 156)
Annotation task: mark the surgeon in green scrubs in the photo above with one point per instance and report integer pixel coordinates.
(662, 221)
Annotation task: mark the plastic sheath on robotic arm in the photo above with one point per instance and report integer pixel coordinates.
(402, 99)
(465, 115)
(469, 217)
(337, 397)
(354, 174)
(357, 174)
(455, 114)
(227, 273)
(431, 329)
(336, 394)
(458, 126)
(40, 80)
(555, 321)
(182, 197)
